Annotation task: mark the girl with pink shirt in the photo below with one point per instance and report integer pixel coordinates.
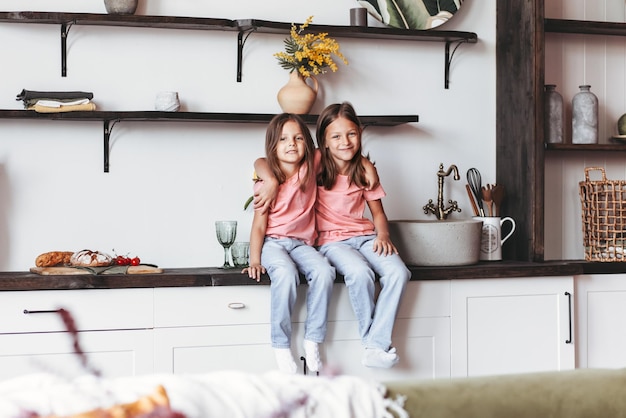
(357, 247)
(282, 238)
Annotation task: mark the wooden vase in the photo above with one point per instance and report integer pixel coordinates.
(297, 96)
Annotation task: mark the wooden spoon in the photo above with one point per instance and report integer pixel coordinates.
(486, 192)
(497, 194)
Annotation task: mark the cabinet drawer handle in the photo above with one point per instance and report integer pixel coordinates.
(236, 305)
(569, 308)
(26, 311)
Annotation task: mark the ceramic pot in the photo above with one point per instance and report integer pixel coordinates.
(553, 115)
(297, 96)
(585, 117)
(167, 101)
(121, 7)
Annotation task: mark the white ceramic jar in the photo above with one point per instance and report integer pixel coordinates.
(167, 101)
(121, 7)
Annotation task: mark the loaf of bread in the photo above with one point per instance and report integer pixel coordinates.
(88, 258)
(156, 404)
(54, 258)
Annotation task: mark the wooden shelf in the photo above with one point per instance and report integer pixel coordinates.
(243, 27)
(138, 116)
(109, 119)
(367, 32)
(587, 147)
(584, 27)
(97, 19)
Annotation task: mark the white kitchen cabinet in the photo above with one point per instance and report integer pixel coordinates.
(227, 327)
(113, 353)
(601, 309)
(421, 335)
(183, 350)
(515, 325)
(115, 331)
(203, 329)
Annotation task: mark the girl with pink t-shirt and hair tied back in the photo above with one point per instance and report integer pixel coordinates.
(282, 238)
(357, 247)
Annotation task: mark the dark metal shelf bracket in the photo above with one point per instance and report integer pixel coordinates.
(242, 37)
(108, 128)
(449, 60)
(65, 30)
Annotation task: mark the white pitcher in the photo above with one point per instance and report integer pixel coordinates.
(491, 241)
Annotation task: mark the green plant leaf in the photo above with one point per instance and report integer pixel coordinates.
(245, 205)
(405, 14)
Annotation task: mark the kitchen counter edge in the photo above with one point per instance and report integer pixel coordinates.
(214, 276)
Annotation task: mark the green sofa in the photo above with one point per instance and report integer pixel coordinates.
(581, 393)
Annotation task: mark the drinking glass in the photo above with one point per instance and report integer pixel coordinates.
(241, 252)
(226, 232)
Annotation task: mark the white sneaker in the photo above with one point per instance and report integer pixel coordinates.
(376, 357)
(285, 361)
(312, 355)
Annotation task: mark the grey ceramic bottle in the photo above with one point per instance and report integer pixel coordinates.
(585, 117)
(553, 115)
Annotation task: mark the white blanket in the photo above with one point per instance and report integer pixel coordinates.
(229, 394)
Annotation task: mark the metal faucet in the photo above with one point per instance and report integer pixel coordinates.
(439, 211)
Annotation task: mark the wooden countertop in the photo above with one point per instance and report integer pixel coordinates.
(214, 276)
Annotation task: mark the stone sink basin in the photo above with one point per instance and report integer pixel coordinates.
(437, 243)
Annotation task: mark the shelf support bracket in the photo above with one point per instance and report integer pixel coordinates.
(108, 128)
(65, 30)
(242, 37)
(448, 59)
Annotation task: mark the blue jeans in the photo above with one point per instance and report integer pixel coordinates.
(356, 260)
(284, 260)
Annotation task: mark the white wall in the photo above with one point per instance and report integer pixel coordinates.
(169, 182)
(572, 60)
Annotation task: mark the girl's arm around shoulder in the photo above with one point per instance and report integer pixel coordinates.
(257, 237)
(266, 194)
(382, 243)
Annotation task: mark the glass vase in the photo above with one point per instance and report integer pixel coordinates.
(553, 115)
(585, 117)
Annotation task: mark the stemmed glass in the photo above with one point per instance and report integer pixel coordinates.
(226, 232)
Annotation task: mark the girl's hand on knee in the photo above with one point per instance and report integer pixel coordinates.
(254, 271)
(384, 247)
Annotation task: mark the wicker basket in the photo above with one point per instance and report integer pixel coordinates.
(604, 217)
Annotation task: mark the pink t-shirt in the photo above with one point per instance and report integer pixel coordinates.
(293, 212)
(339, 211)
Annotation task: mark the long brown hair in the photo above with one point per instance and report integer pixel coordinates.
(273, 135)
(329, 172)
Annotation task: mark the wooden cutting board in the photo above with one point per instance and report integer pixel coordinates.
(63, 271)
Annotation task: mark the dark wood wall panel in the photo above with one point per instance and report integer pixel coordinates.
(519, 123)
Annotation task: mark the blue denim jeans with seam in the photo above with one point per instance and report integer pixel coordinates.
(356, 260)
(284, 259)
